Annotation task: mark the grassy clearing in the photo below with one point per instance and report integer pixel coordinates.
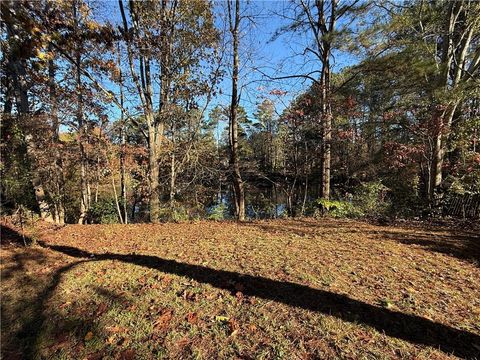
(287, 289)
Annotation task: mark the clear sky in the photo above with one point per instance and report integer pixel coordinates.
(278, 57)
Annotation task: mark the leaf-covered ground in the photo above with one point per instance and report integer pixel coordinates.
(285, 289)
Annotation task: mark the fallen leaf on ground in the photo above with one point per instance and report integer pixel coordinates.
(101, 309)
(116, 329)
(163, 320)
(192, 317)
(128, 354)
(221, 318)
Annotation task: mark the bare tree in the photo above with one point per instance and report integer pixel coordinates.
(234, 19)
(143, 84)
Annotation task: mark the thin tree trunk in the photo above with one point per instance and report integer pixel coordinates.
(154, 171)
(134, 206)
(456, 41)
(172, 179)
(97, 179)
(59, 181)
(84, 191)
(155, 135)
(439, 149)
(123, 137)
(306, 180)
(117, 203)
(323, 28)
(123, 175)
(173, 174)
(326, 109)
(326, 140)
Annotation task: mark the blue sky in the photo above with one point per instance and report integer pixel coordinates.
(275, 58)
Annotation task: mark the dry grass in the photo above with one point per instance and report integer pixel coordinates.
(292, 289)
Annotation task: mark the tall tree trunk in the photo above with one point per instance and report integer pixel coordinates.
(305, 191)
(155, 125)
(59, 181)
(456, 40)
(326, 108)
(326, 118)
(84, 187)
(155, 132)
(439, 149)
(23, 108)
(153, 177)
(123, 173)
(234, 161)
(123, 145)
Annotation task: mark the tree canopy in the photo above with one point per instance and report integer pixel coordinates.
(168, 110)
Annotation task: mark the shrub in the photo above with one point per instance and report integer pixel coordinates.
(337, 208)
(370, 199)
(260, 206)
(218, 212)
(176, 214)
(404, 197)
(180, 214)
(104, 211)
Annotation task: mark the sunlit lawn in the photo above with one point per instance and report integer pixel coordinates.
(291, 289)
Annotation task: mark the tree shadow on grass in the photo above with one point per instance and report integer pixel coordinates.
(30, 325)
(10, 237)
(31, 331)
(45, 329)
(462, 245)
(302, 227)
(412, 328)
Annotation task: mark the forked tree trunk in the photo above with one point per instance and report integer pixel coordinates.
(155, 127)
(454, 71)
(439, 149)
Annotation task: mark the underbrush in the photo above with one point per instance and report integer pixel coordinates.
(369, 200)
(218, 212)
(104, 211)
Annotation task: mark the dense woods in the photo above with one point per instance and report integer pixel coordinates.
(164, 110)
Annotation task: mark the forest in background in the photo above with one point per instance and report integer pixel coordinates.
(143, 116)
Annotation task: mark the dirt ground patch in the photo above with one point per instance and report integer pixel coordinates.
(292, 289)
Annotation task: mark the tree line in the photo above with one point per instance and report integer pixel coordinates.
(125, 117)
